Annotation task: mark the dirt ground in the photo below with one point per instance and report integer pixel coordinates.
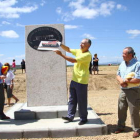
(103, 92)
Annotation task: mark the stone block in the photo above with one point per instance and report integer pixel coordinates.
(62, 132)
(40, 133)
(45, 70)
(24, 115)
(91, 130)
(46, 115)
(11, 134)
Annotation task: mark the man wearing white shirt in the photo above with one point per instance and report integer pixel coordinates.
(130, 95)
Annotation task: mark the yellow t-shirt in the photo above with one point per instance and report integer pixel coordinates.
(81, 68)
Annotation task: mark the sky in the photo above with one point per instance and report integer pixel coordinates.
(112, 25)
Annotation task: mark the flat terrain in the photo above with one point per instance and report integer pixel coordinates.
(103, 92)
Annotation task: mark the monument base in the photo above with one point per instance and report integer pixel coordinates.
(48, 127)
(41, 112)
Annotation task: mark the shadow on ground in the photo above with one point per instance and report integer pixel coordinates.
(112, 128)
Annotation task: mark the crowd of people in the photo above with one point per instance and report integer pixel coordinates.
(7, 75)
(9, 85)
(129, 95)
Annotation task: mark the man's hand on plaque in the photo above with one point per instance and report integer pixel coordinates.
(59, 43)
(58, 52)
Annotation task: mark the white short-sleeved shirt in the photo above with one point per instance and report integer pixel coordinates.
(9, 77)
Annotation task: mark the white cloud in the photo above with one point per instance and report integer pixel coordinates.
(20, 25)
(85, 13)
(134, 33)
(1, 55)
(59, 10)
(93, 3)
(71, 26)
(95, 8)
(42, 2)
(110, 59)
(7, 9)
(88, 36)
(121, 7)
(10, 58)
(106, 8)
(20, 56)
(67, 17)
(77, 4)
(9, 34)
(6, 23)
(7, 3)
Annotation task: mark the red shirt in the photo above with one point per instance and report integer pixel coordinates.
(13, 64)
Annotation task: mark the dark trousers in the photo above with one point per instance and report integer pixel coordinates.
(78, 95)
(129, 98)
(2, 100)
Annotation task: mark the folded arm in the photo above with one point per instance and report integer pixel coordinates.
(132, 81)
(121, 81)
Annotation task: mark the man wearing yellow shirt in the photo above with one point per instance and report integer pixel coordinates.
(79, 83)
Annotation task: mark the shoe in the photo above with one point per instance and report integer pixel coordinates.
(82, 122)
(67, 118)
(5, 118)
(118, 130)
(136, 134)
(16, 100)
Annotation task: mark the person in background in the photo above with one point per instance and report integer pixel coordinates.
(2, 97)
(95, 63)
(9, 81)
(90, 67)
(14, 66)
(129, 96)
(23, 65)
(79, 83)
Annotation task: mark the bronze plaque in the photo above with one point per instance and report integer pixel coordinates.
(41, 34)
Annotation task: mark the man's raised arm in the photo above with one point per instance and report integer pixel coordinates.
(67, 49)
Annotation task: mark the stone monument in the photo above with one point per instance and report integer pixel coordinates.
(46, 92)
(45, 71)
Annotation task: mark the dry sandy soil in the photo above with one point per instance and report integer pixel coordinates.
(103, 92)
